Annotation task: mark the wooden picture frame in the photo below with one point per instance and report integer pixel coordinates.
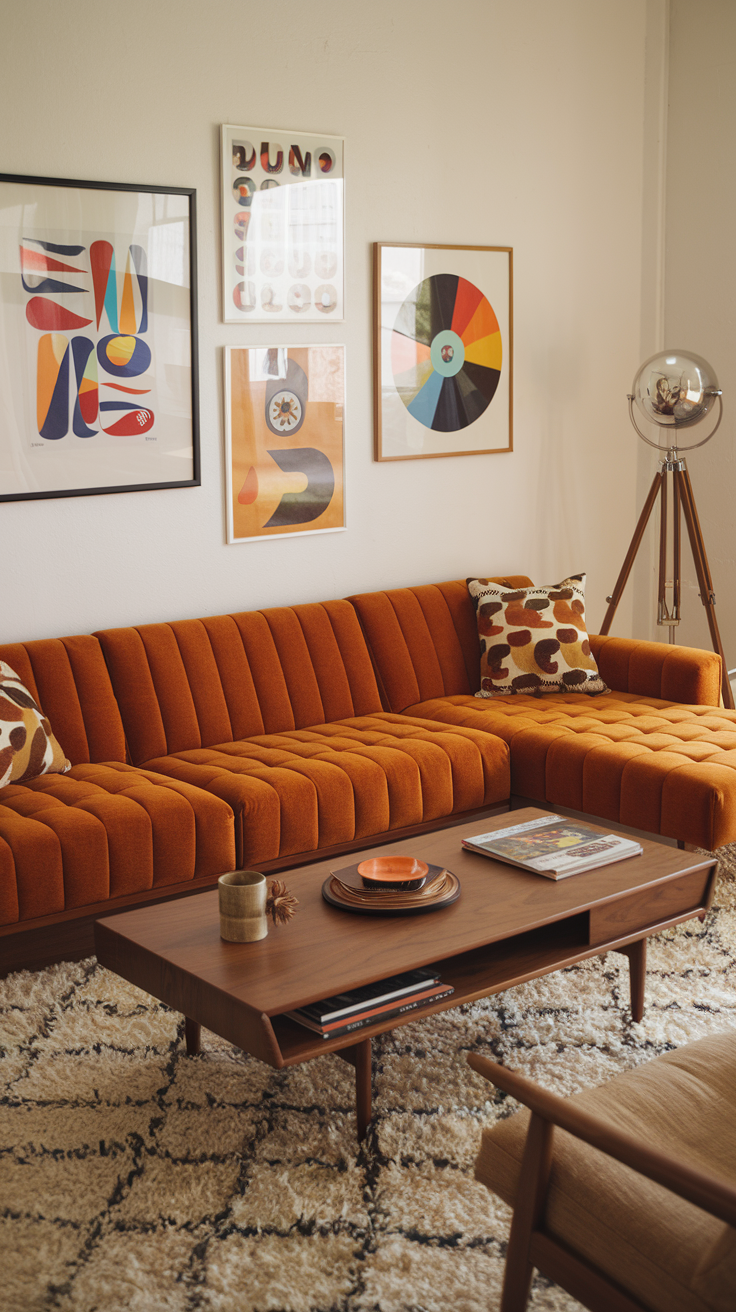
(442, 350)
(284, 435)
(98, 338)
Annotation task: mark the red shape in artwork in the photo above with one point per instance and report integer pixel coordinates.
(467, 300)
(100, 258)
(88, 402)
(52, 318)
(249, 490)
(135, 421)
(35, 262)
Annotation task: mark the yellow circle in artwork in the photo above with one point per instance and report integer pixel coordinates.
(120, 350)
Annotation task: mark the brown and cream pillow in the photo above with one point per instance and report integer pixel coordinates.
(28, 747)
(534, 640)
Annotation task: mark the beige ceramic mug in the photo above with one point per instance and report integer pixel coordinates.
(242, 896)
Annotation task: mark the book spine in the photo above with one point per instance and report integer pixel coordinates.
(389, 1013)
(316, 1012)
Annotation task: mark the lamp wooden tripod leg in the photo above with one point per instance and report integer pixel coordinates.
(683, 497)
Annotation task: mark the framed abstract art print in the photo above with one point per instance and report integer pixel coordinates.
(284, 410)
(443, 350)
(98, 347)
(282, 226)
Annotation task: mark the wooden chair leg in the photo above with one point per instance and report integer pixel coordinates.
(528, 1212)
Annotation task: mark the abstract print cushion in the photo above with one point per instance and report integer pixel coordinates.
(534, 640)
(27, 745)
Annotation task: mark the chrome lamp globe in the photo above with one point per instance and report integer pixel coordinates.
(674, 390)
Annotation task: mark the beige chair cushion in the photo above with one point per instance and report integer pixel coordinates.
(662, 1249)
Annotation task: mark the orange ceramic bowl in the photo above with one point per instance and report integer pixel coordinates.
(393, 872)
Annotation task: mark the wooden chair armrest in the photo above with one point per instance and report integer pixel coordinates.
(714, 1195)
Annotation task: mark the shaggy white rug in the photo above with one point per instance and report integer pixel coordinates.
(135, 1177)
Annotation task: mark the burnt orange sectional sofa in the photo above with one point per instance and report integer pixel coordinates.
(275, 737)
(657, 752)
(255, 739)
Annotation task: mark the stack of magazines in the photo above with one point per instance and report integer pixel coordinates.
(553, 846)
(374, 1002)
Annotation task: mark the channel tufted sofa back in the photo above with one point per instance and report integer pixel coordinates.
(424, 644)
(68, 678)
(424, 640)
(194, 683)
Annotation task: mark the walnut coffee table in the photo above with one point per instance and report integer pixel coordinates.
(508, 926)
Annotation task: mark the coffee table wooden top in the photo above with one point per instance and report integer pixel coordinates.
(324, 950)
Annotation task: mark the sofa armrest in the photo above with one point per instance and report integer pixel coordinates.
(659, 669)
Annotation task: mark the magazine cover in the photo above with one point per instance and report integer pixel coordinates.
(553, 846)
(560, 837)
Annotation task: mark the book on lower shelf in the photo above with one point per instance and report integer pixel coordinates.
(384, 1000)
(554, 846)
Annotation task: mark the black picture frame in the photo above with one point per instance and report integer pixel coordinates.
(98, 338)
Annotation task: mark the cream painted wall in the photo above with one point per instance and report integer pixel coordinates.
(514, 122)
(700, 279)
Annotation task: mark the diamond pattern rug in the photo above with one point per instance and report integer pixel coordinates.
(135, 1177)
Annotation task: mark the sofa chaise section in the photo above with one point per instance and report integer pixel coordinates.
(657, 753)
(104, 834)
(278, 713)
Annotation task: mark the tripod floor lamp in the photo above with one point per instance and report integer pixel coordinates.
(675, 390)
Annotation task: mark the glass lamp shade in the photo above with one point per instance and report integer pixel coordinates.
(675, 388)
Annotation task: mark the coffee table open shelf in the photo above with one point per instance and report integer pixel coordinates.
(508, 926)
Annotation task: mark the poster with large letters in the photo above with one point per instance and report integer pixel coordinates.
(282, 226)
(284, 431)
(98, 365)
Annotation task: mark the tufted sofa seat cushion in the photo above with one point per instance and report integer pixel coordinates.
(657, 753)
(278, 713)
(104, 831)
(640, 761)
(307, 789)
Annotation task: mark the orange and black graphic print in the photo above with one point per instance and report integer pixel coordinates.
(534, 640)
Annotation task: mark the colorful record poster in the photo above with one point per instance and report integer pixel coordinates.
(443, 350)
(284, 431)
(282, 226)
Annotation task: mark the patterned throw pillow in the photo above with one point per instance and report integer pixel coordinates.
(534, 640)
(27, 745)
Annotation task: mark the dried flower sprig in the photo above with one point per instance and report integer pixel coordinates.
(280, 903)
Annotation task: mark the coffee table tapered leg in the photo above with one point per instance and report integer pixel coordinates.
(363, 1086)
(359, 1056)
(192, 1031)
(637, 954)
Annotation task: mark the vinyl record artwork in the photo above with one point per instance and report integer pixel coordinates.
(282, 226)
(443, 351)
(284, 408)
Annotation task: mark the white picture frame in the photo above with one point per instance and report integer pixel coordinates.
(284, 440)
(282, 226)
